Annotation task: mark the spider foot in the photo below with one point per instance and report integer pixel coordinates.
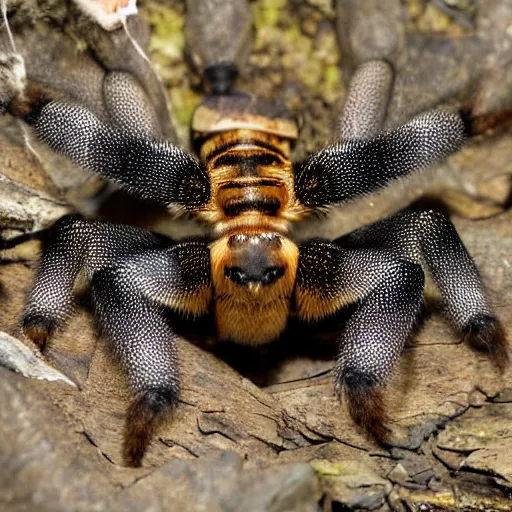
(485, 332)
(366, 403)
(13, 78)
(144, 415)
(38, 328)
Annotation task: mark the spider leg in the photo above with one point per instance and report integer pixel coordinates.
(134, 276)
(428, 238)
(74, 246)
(128, 300)
(145, 345)
(128, 105)
(356, 167)
(367, 100)
(151, 169)
(387, 293)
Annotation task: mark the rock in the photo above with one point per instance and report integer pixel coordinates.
(17, 356)
(484, 436)
(398, 474)
(220, 484)
(352, 483)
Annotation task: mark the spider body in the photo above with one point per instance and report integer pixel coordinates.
(253, 260)
(250, 271)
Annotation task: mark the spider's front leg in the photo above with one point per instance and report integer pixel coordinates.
(356, 167)
(387, 293)
(134, 275)
(149, 168)
(365, 160)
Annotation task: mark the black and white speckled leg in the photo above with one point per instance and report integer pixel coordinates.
(129, 299)
(145, 344)
(429, 239)
(152, 169)
(149, 168)
(134, 276)
(372, 341)
(367, 101)
(355, 167)
(387, 293)
(128, 105)
(74, 246)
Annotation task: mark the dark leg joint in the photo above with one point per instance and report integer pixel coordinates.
(484, 332)
(144, 415)
(29, 106)
(366, 403)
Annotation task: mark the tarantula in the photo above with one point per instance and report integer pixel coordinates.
(249, 273)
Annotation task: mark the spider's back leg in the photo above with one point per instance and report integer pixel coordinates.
(428, 238)
(73, 246)
(134, 276)
(129, 299)
(387, 293)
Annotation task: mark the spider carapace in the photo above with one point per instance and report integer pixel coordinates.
(248, 270)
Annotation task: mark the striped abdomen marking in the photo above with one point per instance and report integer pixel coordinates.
(252, 181)
(263, 196)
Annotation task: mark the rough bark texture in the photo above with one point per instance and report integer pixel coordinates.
(263, 431)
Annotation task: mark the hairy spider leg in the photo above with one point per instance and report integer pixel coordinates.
(429, 239)
(367, 101)
(355, 167)
(387, 293)
(128, 302)
(128, 105)
(145, 344)
(130, 298)
(134, 275)
(149, 168)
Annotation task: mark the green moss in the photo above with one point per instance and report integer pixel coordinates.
(327, 468)
(332, 75)
(268, 12)
(167, 37)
